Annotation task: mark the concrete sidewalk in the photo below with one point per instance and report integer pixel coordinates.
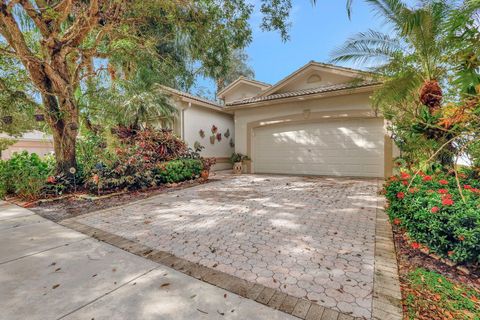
(48, 271)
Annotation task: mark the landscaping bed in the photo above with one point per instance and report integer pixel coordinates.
(111, 170)
(436, 223)
(75, 205)
(455, 296)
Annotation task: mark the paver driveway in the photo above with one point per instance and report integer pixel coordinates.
(310, 237)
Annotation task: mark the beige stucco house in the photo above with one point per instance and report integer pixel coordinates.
(196, 115)
(33, 142)
(316, 121)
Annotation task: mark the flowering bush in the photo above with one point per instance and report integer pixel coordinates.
(435, 216)
(145, 159)
(156, 145)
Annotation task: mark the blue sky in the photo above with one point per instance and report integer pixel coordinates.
(315, 31)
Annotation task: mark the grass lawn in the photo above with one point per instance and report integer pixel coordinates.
(429, 295)
(431, 289)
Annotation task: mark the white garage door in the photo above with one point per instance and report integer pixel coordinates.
(348, 147)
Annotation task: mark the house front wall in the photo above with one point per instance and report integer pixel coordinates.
(195, 118)
(41, 148)
(350, 106)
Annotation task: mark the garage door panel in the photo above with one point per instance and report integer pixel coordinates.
(342, 147)
(312, 160)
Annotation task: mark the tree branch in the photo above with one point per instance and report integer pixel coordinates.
(82, 26)
(63, 8)
(16, 94)
(36, 17)
(14, 36)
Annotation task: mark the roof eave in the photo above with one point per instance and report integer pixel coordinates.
(280, 84)
(203, 104)
(192, 99)
(304, 97)
(232, 85)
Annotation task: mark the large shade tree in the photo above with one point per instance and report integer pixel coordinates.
(58, 44)
(237, 67)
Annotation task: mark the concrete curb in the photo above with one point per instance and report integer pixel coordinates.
(387, 298)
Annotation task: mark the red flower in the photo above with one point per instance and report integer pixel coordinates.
(400, 195)
(447, 201)
(415, 245)
(397, 221)
(461, 238)
(404, 175)
(467, 187)
(450, 253)
(443, 182)
(51, 179)
(427, 178)
(405, 183)
(435, 209)
(413, 190)
(443, 191)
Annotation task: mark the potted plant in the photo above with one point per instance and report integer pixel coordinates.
(237, 160)
(207, 165)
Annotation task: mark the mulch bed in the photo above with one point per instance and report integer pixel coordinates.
(410, 259)
(73, 206)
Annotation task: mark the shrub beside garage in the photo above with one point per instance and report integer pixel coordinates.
(439, 213)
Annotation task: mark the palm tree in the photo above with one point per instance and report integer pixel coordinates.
(412, 54)
(411, 61)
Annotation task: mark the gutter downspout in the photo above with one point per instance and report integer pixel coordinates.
(183, 119)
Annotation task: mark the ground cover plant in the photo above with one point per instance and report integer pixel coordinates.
(430, 295)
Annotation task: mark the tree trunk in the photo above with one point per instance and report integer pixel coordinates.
(64, 125)
(65, 156)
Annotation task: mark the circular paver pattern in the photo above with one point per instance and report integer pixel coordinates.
(310, 237)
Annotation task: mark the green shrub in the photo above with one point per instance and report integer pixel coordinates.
(91, 150)
(435, 216)
(24, 175)
(145, 158)
(179, 170)
(137, 173)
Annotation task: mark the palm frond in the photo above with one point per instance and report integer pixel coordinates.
(391, 10)
(365, 47)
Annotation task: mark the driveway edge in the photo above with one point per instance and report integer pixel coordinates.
(298, 307)
(387, 298)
